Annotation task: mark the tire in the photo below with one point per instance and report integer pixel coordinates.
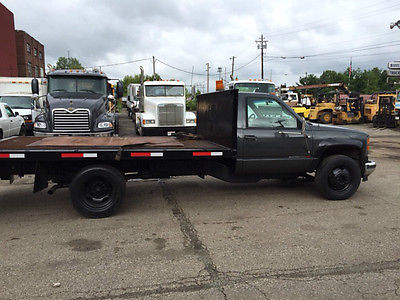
(375, 121)
(325, 117)
(338, 177)
(97, 191)
(22, 131)
(116, 125)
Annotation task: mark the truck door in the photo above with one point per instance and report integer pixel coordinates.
(14, 124)
(272, 139)
(5, 123)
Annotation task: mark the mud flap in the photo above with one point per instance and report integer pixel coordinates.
(41, 178)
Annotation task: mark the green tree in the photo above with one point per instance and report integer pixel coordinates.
(68, 63)
(128, 79)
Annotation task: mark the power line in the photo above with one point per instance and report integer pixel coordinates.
(321, 24)
(358, 49)
(121, 63)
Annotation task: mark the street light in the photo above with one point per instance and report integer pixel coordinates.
(392, 25)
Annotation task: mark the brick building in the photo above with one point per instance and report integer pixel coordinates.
(8, 52)
(30, 55)
(20, 54)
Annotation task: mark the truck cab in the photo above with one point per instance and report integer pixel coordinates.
(162, 109)
(253, 86)
(16, 92)
(76, 104)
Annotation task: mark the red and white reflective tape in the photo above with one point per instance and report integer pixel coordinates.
(147, 154)
(12, 155)
(78, 155)
(207, 153)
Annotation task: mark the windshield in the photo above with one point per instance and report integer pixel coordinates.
(255, 87)
(18, 102)
(165, 90)
(69, 84)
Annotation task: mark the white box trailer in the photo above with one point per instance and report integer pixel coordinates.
(17, 93)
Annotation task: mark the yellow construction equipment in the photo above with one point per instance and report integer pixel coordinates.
(322, 111)
(349, 111)
(371, 106)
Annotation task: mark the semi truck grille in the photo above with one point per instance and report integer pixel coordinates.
(71, 121)
(171, 114)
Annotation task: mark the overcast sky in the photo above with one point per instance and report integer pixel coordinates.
(186, 34)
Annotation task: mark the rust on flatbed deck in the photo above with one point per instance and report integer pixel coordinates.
(69, 142)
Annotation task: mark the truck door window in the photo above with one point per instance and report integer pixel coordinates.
(268, 113)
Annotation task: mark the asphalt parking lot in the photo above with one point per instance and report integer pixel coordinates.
(192, 238)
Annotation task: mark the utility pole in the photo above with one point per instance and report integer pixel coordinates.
(154, 68)
(262, 44)
(225, 75)
(191, 79)
(305, 82)
(208, 77)
(233, 66)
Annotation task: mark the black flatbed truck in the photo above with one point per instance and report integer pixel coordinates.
(241, 137)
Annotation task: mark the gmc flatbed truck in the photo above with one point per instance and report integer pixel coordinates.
(241, 137)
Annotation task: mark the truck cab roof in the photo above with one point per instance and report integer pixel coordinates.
(164, 82)
(95, 73)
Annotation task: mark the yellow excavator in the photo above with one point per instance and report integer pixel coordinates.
(322, 110)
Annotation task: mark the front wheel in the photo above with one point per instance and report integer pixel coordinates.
(22, 131)
(97, 191)
(338, 177)
(325, 117)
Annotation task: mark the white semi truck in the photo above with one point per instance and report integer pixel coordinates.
(17, 93)
(162, 109)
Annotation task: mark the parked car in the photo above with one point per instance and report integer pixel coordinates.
(10, 123)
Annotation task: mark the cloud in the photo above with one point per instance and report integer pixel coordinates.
(189, 34)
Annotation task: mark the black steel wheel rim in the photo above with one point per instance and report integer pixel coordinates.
(339, 178)
(99, 193)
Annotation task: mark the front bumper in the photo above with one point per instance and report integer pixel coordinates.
(160, 131)
(100, 133)
(370, 167)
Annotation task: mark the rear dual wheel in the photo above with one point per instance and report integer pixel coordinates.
(97, 191)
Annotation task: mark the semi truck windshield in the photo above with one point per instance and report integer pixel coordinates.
(18, 102)
(69, 84)
(164, 90)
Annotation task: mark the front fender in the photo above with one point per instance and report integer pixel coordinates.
(339, 143)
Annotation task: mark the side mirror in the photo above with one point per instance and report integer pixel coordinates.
(16, 113)
(120, 89)
(35, 86)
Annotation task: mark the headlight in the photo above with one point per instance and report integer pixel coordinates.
(193, 121)
(105, 125)
(149, 122)
(40, 125)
